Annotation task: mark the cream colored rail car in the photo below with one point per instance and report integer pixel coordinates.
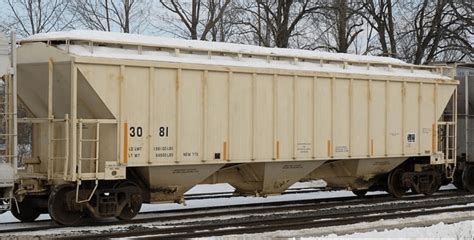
(169, 114)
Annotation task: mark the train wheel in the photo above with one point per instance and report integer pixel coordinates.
(434, 188)
(59, 206)
(458, 184)
(457, 180)
(360, 192)
(414, 190)
(468, 178)
(132, 208)
(26, 210)
(394, 183)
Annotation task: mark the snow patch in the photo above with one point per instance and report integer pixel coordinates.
(148, 48)
(460, 230)
(136, 39)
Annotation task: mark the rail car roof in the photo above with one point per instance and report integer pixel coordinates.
(141, 47)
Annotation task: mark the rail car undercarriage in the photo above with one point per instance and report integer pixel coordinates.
(69, 205)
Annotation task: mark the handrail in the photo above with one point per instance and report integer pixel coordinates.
(45, 120)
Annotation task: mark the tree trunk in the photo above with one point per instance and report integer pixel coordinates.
(391, 30)
(341, 23)
(127, 7)
(107, 17)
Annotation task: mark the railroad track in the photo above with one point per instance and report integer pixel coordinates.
(318, 217)
(268, 225)
(176, 214)
(316, 208)
(212, 195)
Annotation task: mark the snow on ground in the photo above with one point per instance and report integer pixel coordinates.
(459, 230)
(456, 225)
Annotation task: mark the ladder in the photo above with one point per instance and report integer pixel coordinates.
(449, 145)
(7, 151)
(81, 159)
(448, 136)
(55, 143)
(8, 121)
(450, 149)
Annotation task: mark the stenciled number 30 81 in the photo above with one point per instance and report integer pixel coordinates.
(138, 131)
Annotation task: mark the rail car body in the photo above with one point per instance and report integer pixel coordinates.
(464, 176)
(123, 119)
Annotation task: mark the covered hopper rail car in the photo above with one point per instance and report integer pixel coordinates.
(118, 120)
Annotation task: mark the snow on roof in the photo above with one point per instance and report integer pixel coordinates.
(135, 39)
(108, 45)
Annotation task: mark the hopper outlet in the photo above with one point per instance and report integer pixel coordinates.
(169, 183)
(354, 174)
(263, 179)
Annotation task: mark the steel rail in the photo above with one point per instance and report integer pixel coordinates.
(255, 208)
(276, 225)
(290, 222)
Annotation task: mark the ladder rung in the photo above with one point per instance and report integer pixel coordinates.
(89, 140)
(59, 139)
(7, 113)
(88, 159)
(6, 134)
(58, 158)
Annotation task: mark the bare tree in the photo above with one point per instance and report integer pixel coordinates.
(93, 14)
(112, 15)
(341, 23)
(438, 28)
(191, 15)
(35, 16)
(428, 29)
(274, 22)
(5, 27)
(223, 29)
(460, 34)
(379, 15)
